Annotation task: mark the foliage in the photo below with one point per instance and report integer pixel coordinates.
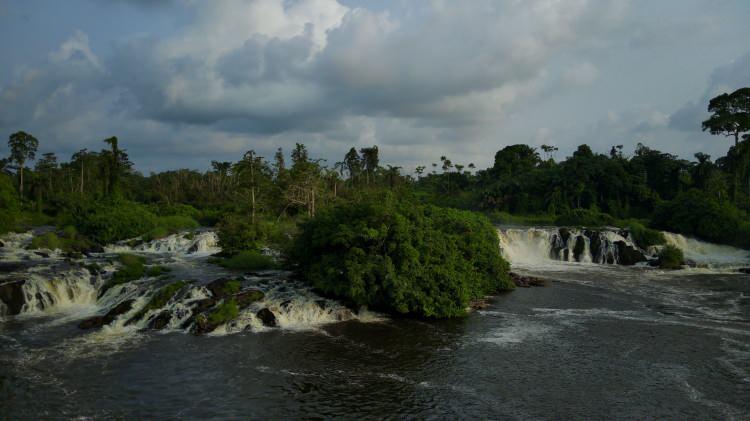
(237, 233)
(248, 260)
(730, 114)
(671, 257)
(645, 237)
(132, 268)
(695, 214)
(585, 218)
(401, 257)
(163, 295)
(111, 221)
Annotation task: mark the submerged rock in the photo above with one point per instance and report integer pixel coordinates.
(267, 317)
(527, 281)
(160, 321)
(99, 321)
(245, 298)
(11, 293)
(223, 287)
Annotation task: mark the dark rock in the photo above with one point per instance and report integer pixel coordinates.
(595, 244)
(267, 317)
(579, 248)
(344, 314)
(99, 321)
(744, 270)
(93, 248)
(160, 321)
(204, 304)
(245, 298)
(285, 305)
(478, 304)
(564, 234)
(527, 281)
(2, 244)
(42, 254)
(11, 293)
(628, 255)
(218, 287)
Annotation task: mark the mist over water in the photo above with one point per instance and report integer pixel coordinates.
(603, 341)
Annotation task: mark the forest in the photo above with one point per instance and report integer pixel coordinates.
(98, 197)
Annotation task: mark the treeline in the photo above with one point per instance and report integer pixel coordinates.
(256, 200)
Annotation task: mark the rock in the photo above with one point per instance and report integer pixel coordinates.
(2, 244)
(344, 314)
(11, 293)
(219, 288)
(628, 255)
(744, 270)
(579, 248)
(564, 234)
(527, 281)
(267, 317)
(160, 321)
(43, 254)
(595, 244)
(99, 321)
(93, 248)
(204, 304)
(8, 267)
(478, 304)
(245, 298)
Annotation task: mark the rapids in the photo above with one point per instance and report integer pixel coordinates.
(603, 341)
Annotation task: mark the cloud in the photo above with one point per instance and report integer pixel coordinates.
(419, 78)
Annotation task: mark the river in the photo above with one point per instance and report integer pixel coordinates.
(601, 341)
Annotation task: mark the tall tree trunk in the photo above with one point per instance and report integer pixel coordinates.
(21, 174)
(252, 195)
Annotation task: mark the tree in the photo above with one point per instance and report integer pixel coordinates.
(114, 166)
(370, 162)
(731, 114)
(23, 147)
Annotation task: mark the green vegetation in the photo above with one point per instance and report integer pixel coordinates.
(645, 237)
(402, 257)
(163, 295)
(224, 312)
(132, 268)
(584, 218)
(671, 257)
(696, 214)
(246, 260)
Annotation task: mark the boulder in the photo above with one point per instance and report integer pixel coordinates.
(11, 294)
(99, 321)
(628, 255)
(2, 244)
(43, 254)
(579, 248)
(744, 270)
(160, 321)
(245, 298)
(219, 288)
(267, 317)
(527, 281)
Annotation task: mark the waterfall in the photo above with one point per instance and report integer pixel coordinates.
(708, 254)
(201, 243)
(64, 290)
(539, 245)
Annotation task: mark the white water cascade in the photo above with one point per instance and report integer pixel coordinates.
(539, 245)
(708, 254)
(200, 243)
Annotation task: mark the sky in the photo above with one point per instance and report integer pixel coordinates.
(185, 82)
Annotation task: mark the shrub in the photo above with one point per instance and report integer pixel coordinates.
(245, 260)
(48, 241)
(645, 237)
(670, 257)
(698, 214)
(401, 257)
(115, 220)
(163, 295)
(585, 218)
(237, 233)
(132, 269)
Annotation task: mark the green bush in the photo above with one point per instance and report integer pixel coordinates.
(115, 220)
(645, 237)
(584, 218)
(670, 257)
(401, 257)
(245, 260)
(697, 214)
(237, 233)
(163, 295)
(132, 268)
(48, 241)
